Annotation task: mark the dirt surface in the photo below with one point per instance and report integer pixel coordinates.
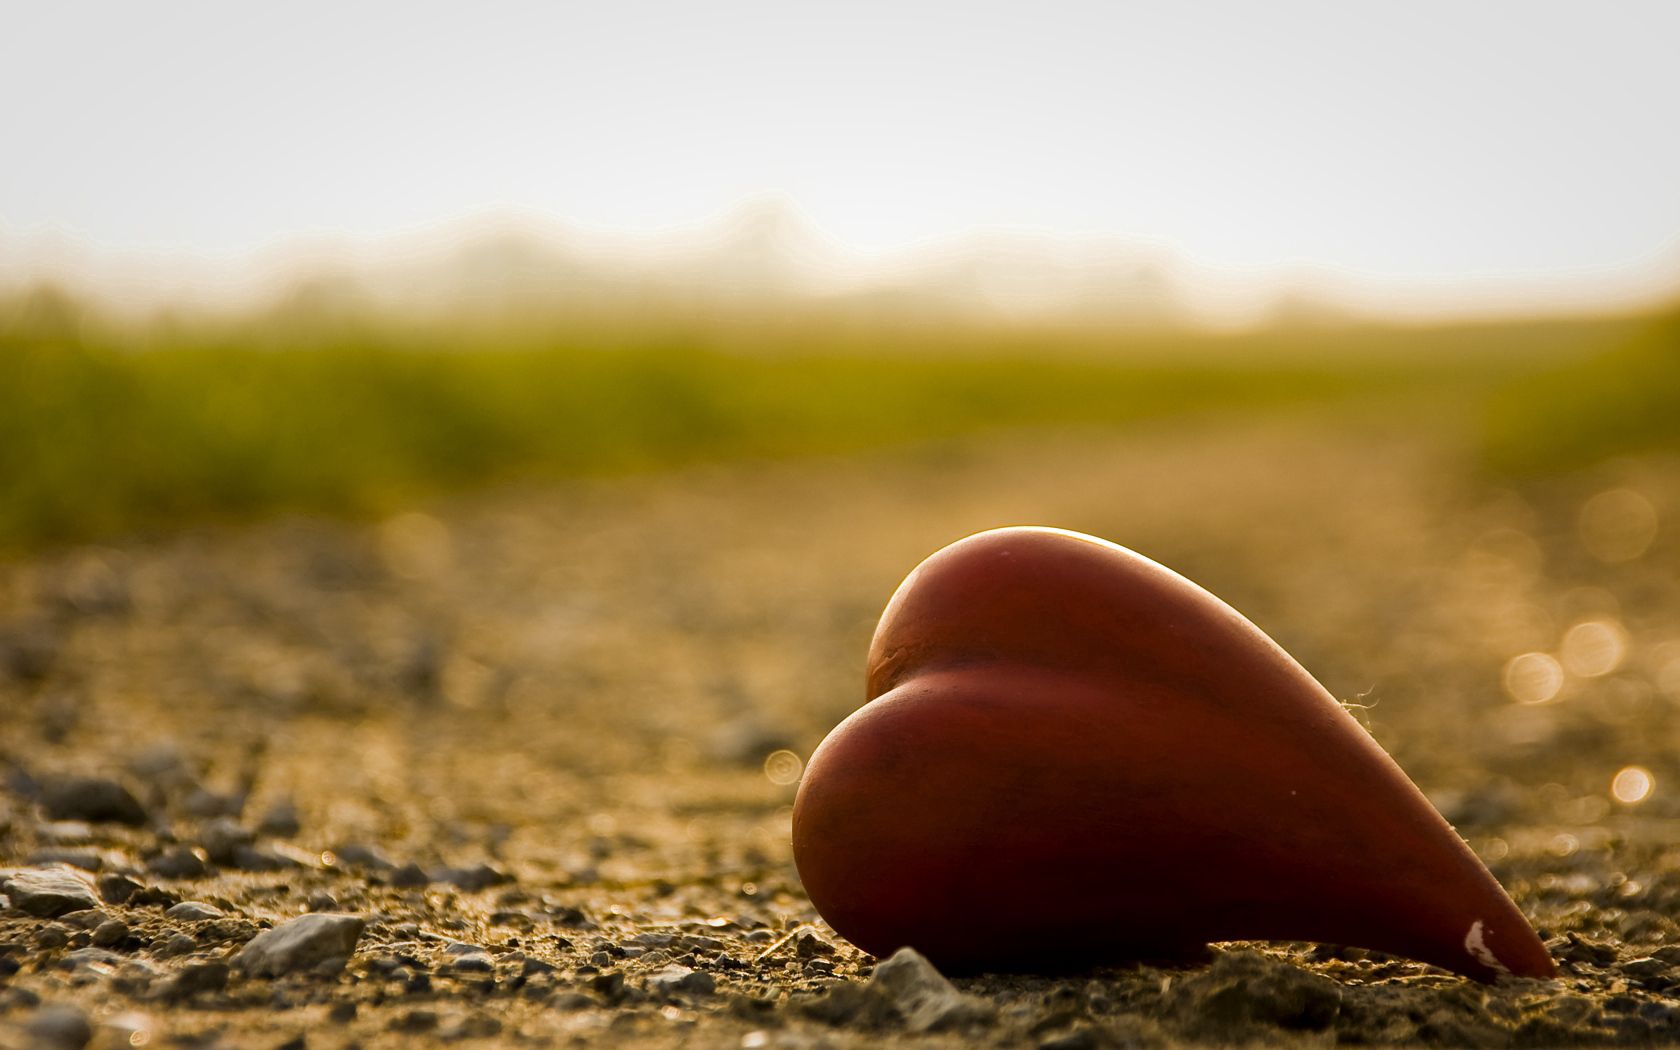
(533, 740)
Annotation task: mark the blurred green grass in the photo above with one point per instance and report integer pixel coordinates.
(1623, 399)
(112, 427)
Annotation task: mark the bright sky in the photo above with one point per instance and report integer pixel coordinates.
(1433, 145)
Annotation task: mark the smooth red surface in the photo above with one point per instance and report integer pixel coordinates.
(1073, 755)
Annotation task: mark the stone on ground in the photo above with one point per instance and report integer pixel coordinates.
(676, 979)
(308, 942)
(59, 1026)
(922, 995)
(1244, 988)
(48, 892)
(92, 799)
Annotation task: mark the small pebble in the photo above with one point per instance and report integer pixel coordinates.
(1646, 967)
(193, 911)
(64, 832)
(478, 877)
(1247, 987)
(14, 998)
(177, 863)
(177, 944)
(86, 919)
(1080, 1038)
(409, 877)
(280, 820)
(675, 979)
(1580, 949)
(260, 858)
(466, 958)
(110, 933)
(416, 1021)
(48, 892)
(810, 946)
(117, 889)
(210, 976)
(309, 942)
(95, 799)
(85, 859)
(359, 855)
(908, 986)
(221, 838)
(571, 1001)
(82, 957)
(530, 967)
(607, 985)
(59, 1027)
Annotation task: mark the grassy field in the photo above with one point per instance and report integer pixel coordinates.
(1625, 398)
(107, 428)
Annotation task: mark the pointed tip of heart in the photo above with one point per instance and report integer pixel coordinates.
(1524, 955)
(1070, 750)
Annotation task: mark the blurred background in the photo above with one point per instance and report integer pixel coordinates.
(579, 382)
(333, 260)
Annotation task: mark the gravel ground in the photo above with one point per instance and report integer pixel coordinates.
(518, 769)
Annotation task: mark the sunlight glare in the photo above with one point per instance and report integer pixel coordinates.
(1632, 785)
(783, 767)
(1618, 525)
(1533, 678)
(1593, 648)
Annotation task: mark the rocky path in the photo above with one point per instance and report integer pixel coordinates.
(518, 768)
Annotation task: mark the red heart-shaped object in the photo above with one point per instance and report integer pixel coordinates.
(1073, 755)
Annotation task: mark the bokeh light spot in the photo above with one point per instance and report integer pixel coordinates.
(1593, 648)
(1618, 525)
(1533, 678)
(1632, 785)
(783, 767)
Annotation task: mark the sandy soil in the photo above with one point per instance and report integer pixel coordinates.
(531, 739)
